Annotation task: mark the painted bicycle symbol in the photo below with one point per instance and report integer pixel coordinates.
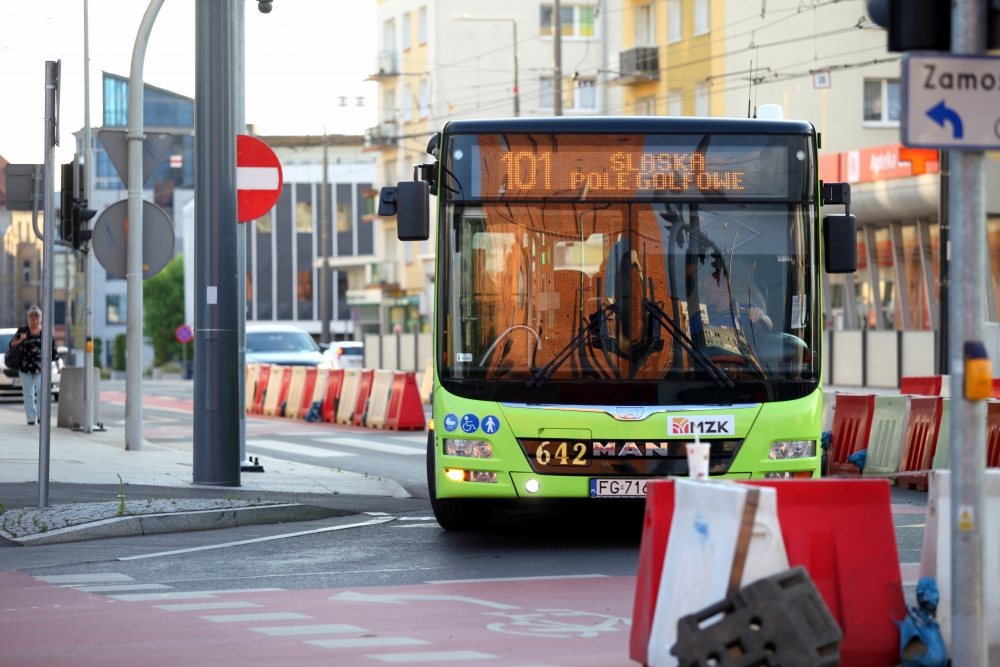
(556, 624)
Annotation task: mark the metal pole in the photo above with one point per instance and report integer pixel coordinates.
(239, 53)
(604, 58)
(217, 403)
(324, 236)
(517, 89)
(88, 279)
(133, 270)
(557, 108)
(944, 254)
(967, 214)
(44, 396)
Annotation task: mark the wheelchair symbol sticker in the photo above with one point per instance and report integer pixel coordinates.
(450, 422)
(490, 424)
(470, 423)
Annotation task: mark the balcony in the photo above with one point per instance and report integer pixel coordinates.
(382, 274)
(381, 136)
(639, 64)
(386, 65)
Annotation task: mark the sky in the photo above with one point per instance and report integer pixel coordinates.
(300, 59)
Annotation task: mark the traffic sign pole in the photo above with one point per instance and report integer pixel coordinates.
(967, 214)
(239, 61)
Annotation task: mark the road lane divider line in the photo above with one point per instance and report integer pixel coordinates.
(433, 656)
(296, 630)
(375, 446)
(85, 579)
(253, 618)
(207, 606)
(479, 581)
(403, 598)
(208, 547)
(152, 597)
(366, 642)
(122, 588)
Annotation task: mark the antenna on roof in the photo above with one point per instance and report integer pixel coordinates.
(750, 88)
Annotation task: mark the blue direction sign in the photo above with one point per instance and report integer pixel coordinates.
(949, 101)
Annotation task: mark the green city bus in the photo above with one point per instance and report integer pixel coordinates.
(608, 289)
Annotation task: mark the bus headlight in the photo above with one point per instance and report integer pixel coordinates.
(800, 474)
(477, 449)
(457, 475)
(792, 449)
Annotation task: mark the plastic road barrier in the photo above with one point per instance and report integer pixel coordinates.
(348, 396)
(331, 395)
(829, 407)
(921, 437)
(253, 370)
(277, 386)
(263, 373)
(996, 387)
(405, 410)
(852, 423)
(942, 449)
(923, 385)
(427, 386)
(840, 530)
(361, 403)
(704, 551)
(318, 390)
(885, 444)
(307, 392)
(296, 387)
(993, 435)
(935, 558)
(378, 400)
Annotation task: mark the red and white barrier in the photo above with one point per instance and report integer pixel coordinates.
(406, 413)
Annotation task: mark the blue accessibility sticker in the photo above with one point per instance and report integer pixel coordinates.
(450, 422)
(470, 423)
(490, 424)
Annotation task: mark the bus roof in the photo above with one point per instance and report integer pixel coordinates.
(629, 125)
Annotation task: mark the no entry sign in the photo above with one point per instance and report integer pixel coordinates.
(258, 178)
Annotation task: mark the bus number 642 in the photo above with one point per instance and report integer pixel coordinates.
(543, 456)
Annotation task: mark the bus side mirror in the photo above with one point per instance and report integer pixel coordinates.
(840, 243)
(387, 202)
(413, 210)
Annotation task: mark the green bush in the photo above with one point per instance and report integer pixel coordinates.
(163, 310)
(98, 353)
(118, 360)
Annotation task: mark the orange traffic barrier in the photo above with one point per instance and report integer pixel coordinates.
(996, 387)
(348, 396)
(406, 412)
(331, 396)
(361, 402)
(263, 373)
(250, 385)
(993, 435)
(317, 390)
(852, 423)
(296, 387)
(850, 555)
(921, 385)
(378, 400)
(277, 389)
(308, 384)
(920, 440)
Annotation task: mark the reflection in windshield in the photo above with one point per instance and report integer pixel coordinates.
(281, 341)
(641, 291)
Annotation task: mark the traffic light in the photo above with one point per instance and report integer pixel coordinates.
(925, 25)
(73, 211)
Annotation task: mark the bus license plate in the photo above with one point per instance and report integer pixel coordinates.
(618, 488)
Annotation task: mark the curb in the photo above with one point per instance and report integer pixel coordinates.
(179, 522)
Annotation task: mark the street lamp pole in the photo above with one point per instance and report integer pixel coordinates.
(516, 58)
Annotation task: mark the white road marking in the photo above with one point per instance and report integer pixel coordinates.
(390, 598)
(122, 587)
(476, 581)
(375, 446)
(301, 450)
(417, 518)
(254, 541)
(256, 178)
(206, 606)
(358, 642)
(419, 439)
(913, 525)
(292, 630)
(83, 579)
(419, 525)
(144, 597)
(245, 590)
(433, 656)
(247, 618)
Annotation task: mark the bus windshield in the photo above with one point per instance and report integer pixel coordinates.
(656, 258)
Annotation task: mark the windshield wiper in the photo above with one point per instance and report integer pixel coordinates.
(546, 371)
(719, 376)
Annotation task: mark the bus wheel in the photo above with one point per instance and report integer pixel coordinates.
(451, 513)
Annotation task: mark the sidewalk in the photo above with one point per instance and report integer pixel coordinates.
(99, 458)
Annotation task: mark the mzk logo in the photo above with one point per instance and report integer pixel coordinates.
(710, 425)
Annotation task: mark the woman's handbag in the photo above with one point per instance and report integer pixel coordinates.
(12, 360)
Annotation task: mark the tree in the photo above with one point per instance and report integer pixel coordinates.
(98, 353)
(118, 354)
(163, 310)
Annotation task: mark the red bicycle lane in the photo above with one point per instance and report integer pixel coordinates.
(509, 623)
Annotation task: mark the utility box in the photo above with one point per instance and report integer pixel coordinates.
(71, 396)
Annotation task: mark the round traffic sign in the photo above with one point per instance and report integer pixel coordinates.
(111, 247)
(258, 178)
(184, 334)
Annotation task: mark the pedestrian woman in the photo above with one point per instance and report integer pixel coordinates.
(29, 339)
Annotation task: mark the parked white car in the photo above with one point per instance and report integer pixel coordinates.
(11, 386)
(345, 355)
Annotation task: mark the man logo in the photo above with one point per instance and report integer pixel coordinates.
(679, 426)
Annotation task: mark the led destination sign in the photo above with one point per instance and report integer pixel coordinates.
(581, 167)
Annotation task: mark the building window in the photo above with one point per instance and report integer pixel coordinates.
(424, 102)
(675, 102)
(389, 35)
(26, 271)
(545, 100)
(407, 103)
(264, 223)
(342, 101)
(585, 95)
(407, 31)
(701, 100)
(359, 101)
(305, 285)
(344, 214)
(645, 106)
(675, 25)
(116, 311)
(576, 20)
(882, 103)
(422, 26)
(702, 17)
(303, 217)
(645, 25)
(389, 172)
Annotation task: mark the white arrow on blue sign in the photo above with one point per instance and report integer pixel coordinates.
(951, 101)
